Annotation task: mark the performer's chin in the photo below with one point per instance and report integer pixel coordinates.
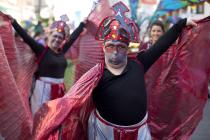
(114, 62)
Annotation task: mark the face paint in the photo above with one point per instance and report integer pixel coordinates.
(55, 40)
(116, 58)
(116, 53)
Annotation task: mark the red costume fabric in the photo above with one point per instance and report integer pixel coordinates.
(72, 110)
(177, 85)
(86, 49)
(177, 88)
(17, 67)
(57, 91)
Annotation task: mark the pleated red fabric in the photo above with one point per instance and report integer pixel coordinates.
(86, 49)
(177, 85)
(69, 113)
(17, 66)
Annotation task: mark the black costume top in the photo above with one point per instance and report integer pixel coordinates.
(122, 99)
(52, 64)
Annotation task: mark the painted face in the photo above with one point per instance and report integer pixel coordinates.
(55, 40)
(155, 33)
(115, 53)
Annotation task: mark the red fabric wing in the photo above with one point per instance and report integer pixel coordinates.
(16, 70)
(177, 85)
(72, 111)
(89, 51)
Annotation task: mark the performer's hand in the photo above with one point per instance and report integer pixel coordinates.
(191, 23)
(85, 20)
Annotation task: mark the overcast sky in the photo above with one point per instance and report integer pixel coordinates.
(71, 7)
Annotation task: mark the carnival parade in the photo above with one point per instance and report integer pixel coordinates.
(105, 70)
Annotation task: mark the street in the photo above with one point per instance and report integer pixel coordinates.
(202, 132)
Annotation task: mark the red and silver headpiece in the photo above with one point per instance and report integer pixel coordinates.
(60, 25)
(118, 27)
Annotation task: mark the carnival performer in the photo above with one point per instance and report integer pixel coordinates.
(109, 102)
(49, 76)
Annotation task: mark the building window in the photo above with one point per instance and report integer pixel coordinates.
(197, 9)
(200, 8)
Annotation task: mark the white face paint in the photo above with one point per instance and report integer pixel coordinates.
(55, 40)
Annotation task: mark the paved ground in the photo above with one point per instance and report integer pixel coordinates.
(203, 130)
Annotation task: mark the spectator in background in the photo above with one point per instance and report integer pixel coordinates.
(40, 38)
(39, 34)
(156, 31)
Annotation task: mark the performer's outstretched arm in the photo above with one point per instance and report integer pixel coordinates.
(73, 37)
(148, 57)
(35, 46)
